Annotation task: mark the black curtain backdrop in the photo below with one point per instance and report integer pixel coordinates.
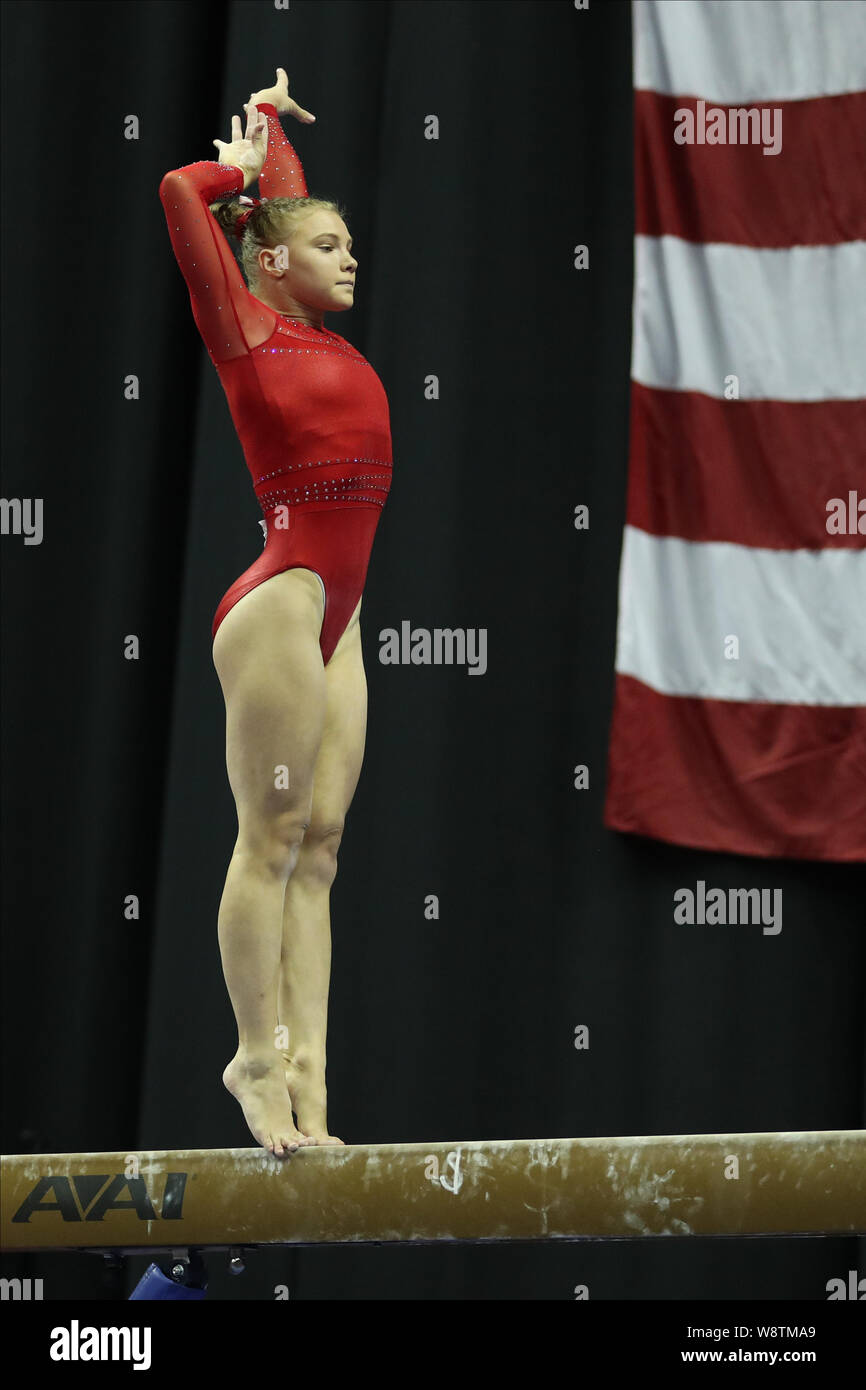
(116, 1031)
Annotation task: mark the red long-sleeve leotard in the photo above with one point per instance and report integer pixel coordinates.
(310, 412)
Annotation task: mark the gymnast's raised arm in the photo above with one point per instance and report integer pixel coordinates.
(282, 174)
(218, 294)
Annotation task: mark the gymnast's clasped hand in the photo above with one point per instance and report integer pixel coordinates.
(247, 151)
(278, 97)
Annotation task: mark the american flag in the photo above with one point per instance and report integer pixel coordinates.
(739, 717)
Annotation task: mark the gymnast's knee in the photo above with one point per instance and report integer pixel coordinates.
(318, 856)
(273, 842)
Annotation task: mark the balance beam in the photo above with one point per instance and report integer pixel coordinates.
(806, 1184)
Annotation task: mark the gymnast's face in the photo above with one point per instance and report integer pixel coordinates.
(321, 268)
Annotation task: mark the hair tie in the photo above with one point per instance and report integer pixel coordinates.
(240, 224)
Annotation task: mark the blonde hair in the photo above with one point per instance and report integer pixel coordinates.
(269, 224)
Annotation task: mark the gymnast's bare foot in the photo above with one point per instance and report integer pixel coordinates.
(258, 1084)
(306, 1086)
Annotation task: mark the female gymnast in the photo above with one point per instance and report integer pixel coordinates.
(313, 420)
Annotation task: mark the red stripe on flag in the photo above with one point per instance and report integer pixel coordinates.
(809, 194)
(776, 781)
(755, 473)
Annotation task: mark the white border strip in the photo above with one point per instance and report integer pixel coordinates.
(799, 617)
(788, 324)
(733, 51)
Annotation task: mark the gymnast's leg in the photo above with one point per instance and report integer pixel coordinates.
(267, 656)
(306, 963)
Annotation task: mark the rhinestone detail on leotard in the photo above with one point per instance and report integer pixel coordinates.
(318, 463)
(337, 490)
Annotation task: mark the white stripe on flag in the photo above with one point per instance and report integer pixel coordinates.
(787, 323)
(758, 51)
(799, 617)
